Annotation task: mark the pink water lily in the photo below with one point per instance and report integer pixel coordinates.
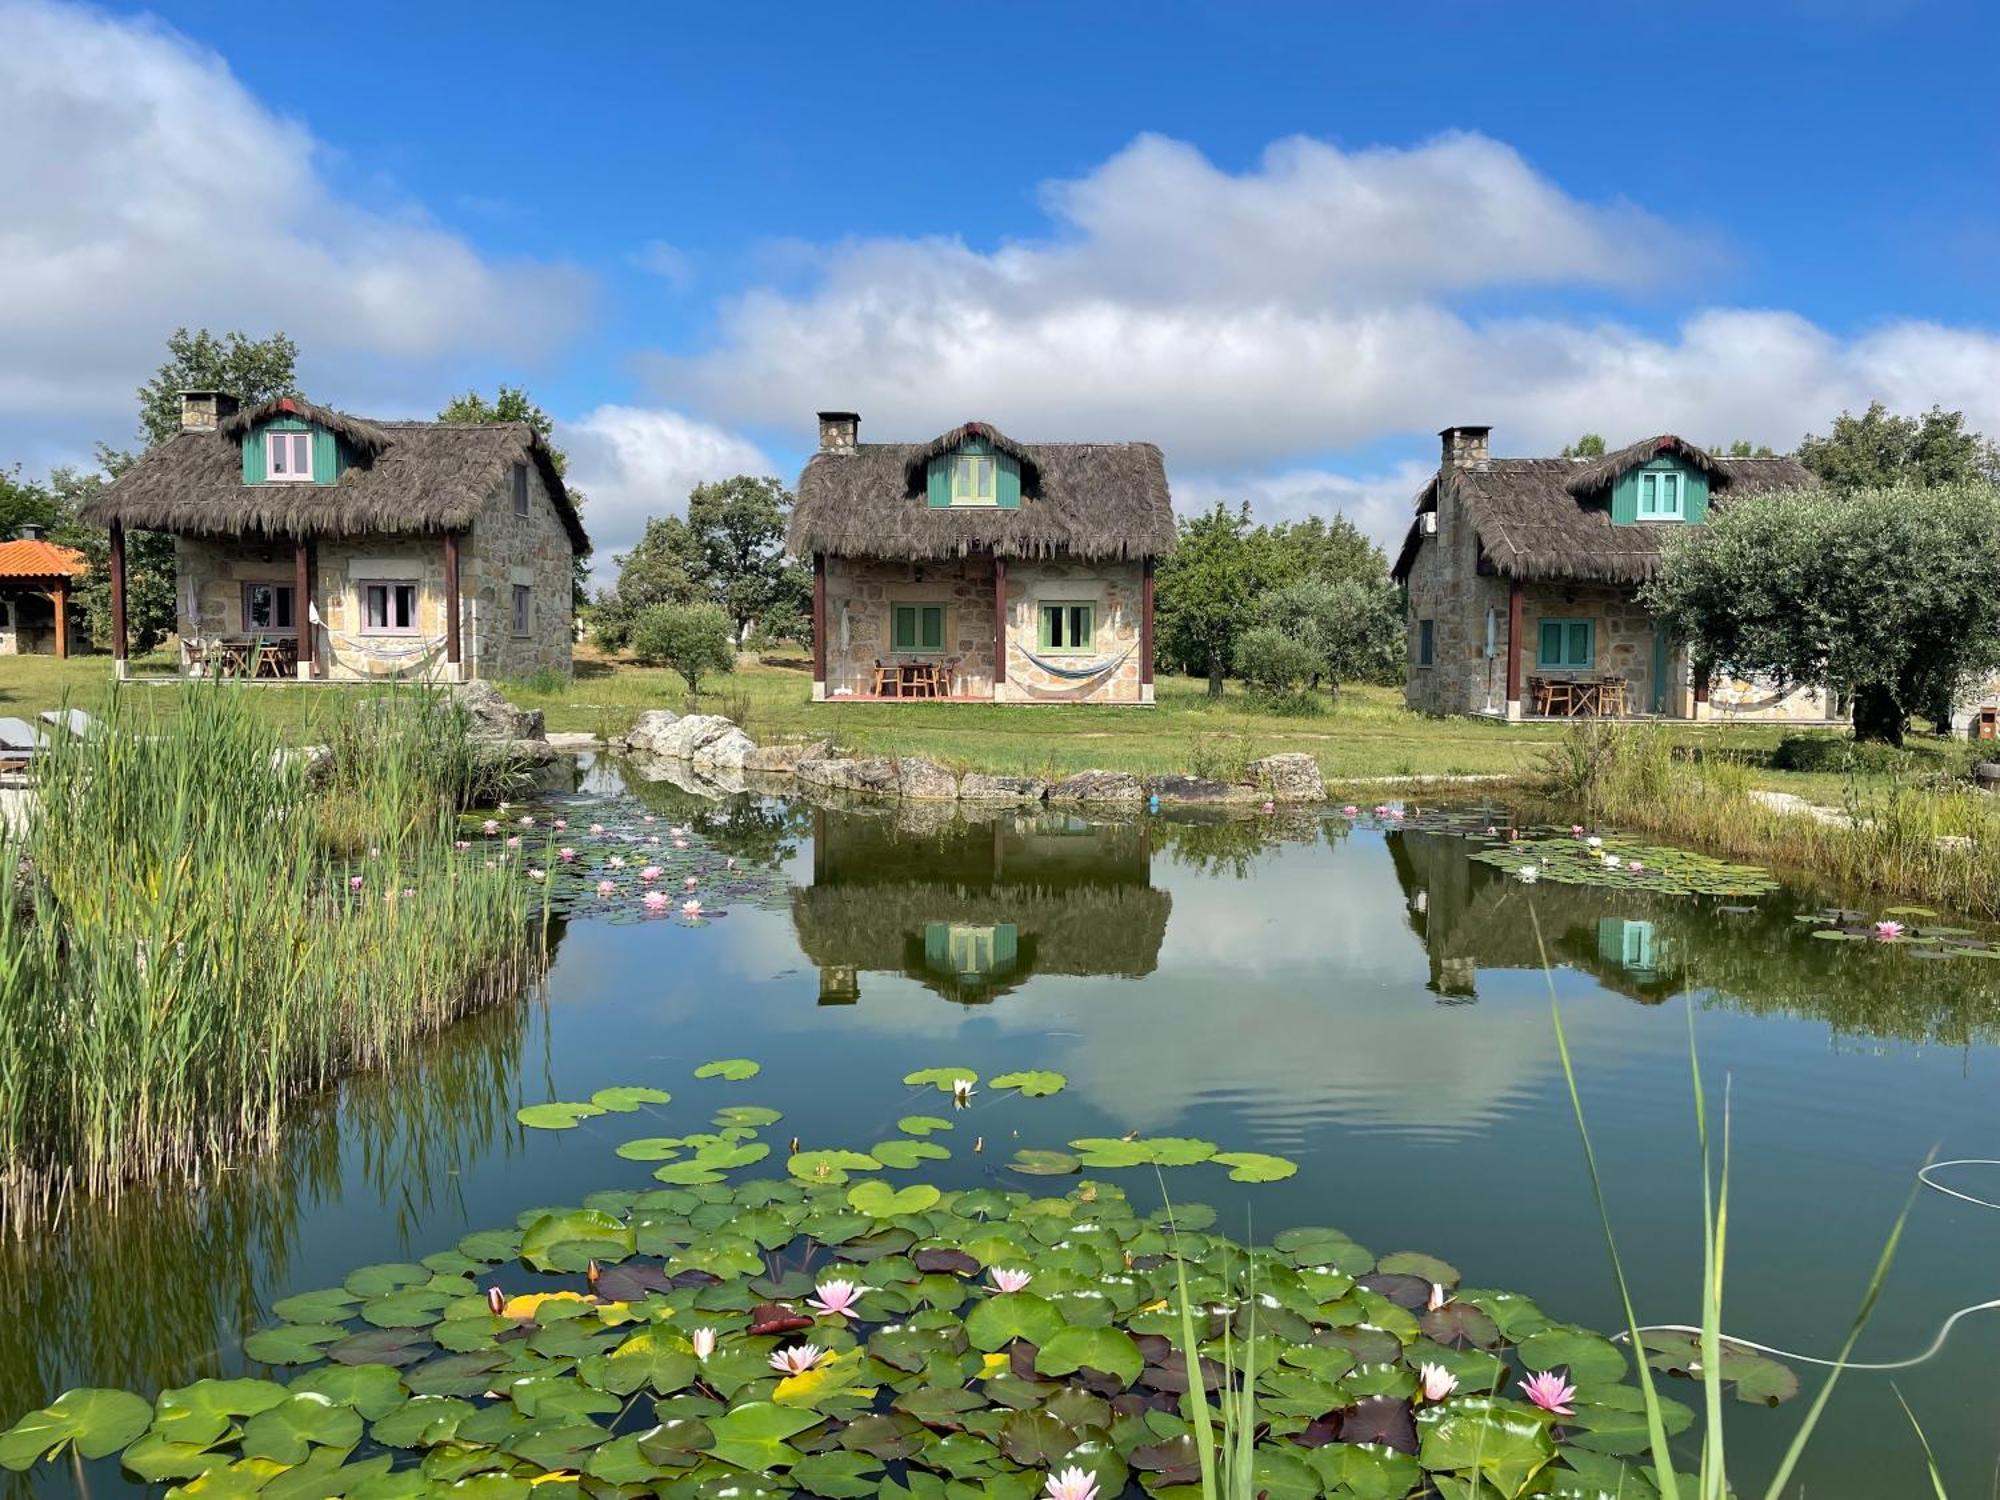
(655, 900)
(1350, 811)
(690, 908)
(490, 826)
(650, 874)
(354, 882)
(514, 841)
(606, 887)
(597, 828)
(798, 1359)
(1576, 830)
(1270, 807)
(649, 818)
(1005, 1280)
(461, 843)
(836, 1298)
(1888, 932)
(567, 856)
(1550, 1392)
(703, 1340)
(690, 883)
(1437, 1382)
(678, 843)
(1072, 1484)
(495, 1299)
(560, 824)
(526, 821)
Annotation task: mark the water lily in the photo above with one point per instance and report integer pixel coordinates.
(514, 841)
(1439, 1296)
(1634, 865)
(690, 883)
(527, 821)
(678, 843)
(1072, 1484)
(650, 874)
(655, 900)
(560, 824)
(535, 874)
(1270, 807)
(1610, 861)
(1888, 932)
(962, 1092)
(1492, 830)
(649, 818)
(597, 828)
(835, 1298)
(1350, 811)
(1576, 830)
(1550, 1392)
(617, 861)
(354, 882)
(1437, 1381)
(1527, 874)
(1005, 1280)
(798, 1359)
(567, 856)
(703, 1340)
(607, 887)
(490, 826)
(461, 844)
(1396, 815)
(1594, 842)
(495, 1299)
(690, 908)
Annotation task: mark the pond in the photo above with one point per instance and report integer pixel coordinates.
(1360, 996)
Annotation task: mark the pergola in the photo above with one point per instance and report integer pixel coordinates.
(29, 565)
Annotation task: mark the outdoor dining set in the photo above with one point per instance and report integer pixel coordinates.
(274, 656)
(912, 679)
(1578, 697)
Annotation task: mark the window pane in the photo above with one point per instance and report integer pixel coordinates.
(1670, 494)
(985, 470)
(375, 606)
(1579, 643)
(285, 616)
(1079, 625)
(406, 605)
(1551, 648)
(906, 628)
(1648, 493)
(933, 621)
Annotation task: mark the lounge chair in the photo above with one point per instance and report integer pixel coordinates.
(75, 720)
(20, 743)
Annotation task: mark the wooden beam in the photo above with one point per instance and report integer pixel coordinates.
(1513, 645)
(60, 593)
(999, 621)
(118, 635)
(819, 619)
(302, 603)
(451, 601)
(1146, 625)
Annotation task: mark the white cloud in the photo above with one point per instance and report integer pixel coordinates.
(1321, 302)
(668, 262)
(146, 188)
(632, 463)
(1377, 504)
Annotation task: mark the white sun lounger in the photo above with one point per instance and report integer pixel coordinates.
(75, 720)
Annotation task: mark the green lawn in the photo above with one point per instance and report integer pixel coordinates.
(1368, 733)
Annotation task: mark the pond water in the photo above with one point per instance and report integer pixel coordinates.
(1368, 1001)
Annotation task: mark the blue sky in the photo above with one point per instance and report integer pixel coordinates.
(1287, 242)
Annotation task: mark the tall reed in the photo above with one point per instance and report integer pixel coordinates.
(201, 935)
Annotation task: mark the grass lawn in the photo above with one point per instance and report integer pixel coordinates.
(1368, 733)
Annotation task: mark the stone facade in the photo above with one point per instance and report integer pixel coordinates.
(862, 593)
(28, 624)
(501, 550)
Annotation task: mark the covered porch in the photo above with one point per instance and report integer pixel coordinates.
(37, 583)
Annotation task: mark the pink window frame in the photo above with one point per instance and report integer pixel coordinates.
(389, 585)
(286, 584)
(296, 442)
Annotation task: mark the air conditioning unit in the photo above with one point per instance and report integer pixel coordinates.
(1430, 520)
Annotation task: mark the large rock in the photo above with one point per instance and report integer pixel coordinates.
(1200, 789)
(923, 780)
(1292, 777)
(1099, 786)
(975, 786)
(643, 738)
(726, 751)
(692, 737)
(786, 756)
(875, 775)
(493, 717)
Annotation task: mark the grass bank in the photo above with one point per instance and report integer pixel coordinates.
(202, 936)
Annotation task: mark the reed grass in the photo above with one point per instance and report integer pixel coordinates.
(201, 935)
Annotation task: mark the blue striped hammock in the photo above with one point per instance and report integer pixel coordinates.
(1078, 674)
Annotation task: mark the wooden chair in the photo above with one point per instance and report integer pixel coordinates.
(888, 680)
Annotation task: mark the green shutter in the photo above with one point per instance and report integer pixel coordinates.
(1694, 497)
(326, 457)
(1010, 482)
(938, 480)
(1579, 644)
(1625, 500)
(906, 628)
(933, 628)
(253, 456)
(1549, 654)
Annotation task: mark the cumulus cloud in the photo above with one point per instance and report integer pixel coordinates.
(636, 462)
(1378, 504)
(147, 188)
(1321, 302)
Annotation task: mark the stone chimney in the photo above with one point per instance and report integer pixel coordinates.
(203, 411)
(1463, 447)
(839, 431)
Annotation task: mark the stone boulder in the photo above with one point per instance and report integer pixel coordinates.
(1200, 789)
(925, 780)
(875, 775)
(492, 717)
(691, 737)
(975, 786)
(643, 738)
(726, 751)
(1099, 786)
(786, 755)
(1292, 777)
(573, 741)
(1987, 775)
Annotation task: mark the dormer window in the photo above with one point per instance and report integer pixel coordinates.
(288, 456)
(1662, 495)
(973, 479)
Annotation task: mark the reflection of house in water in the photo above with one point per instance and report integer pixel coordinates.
(972, 910)
(1473, 916)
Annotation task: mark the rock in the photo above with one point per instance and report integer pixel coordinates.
(725, 751)
(571, 741)
(975, 786)
(1098, 786)
(925, 780)
(689, 737)
(1200, 789)
(1987, 774)
(874, 775)
(1292, 777)
(643, 738)
(786, 755)
(492, 716)
(318, 763)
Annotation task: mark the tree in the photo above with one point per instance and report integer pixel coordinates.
(739, 527)
(150, 608)
(251, 370)
(660, 569)
(23, 503)
(1879, 448)
(1328, 550)
(1743, 448)
(513, 404)
(1891, 591)
(693, 639)
(1353, 627)
(1274, 662)
(1590, 445)
(1202, 588)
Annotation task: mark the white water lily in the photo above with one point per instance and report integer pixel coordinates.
(1595, 842)
(1527, 874)
(962, 1092)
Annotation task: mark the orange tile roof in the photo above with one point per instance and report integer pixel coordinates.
(36, 559)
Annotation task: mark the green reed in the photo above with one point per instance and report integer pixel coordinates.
(202, 934)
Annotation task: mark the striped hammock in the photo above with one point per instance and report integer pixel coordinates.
(1079, 674)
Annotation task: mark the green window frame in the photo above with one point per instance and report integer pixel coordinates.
(1567, 645)
(917, 627)
(1067, 628)
(1662, 495)
(975, 479)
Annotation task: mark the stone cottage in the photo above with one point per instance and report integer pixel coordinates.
(979, 569)
(315, 544)
(1523, 576)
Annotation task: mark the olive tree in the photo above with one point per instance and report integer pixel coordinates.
(693, 639)
(1893, 592)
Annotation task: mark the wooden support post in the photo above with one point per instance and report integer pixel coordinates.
(60, 593)
(819, 627)
(118, 598)
(1514, 649)
(999, 624)
(453, 663)
(1701, 675)
(1146, 633)
(302, 605)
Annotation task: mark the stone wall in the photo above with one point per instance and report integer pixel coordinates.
(862, 593)
(1447, 588)
(505, 549)
(28, 624)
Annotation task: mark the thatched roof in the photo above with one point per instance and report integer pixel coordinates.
(1551, 517)
(1094, 501)
(405, 477)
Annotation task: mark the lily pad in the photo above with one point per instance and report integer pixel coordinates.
(941, 1079)
(625, 1098)
(922, 1124)
(754, 1436)
(652, 1148)
(556, 1116)
(1106, 1349)
(1000, 1319)
(1036, 1085)
(829, 1166)
(1038, 1163)
(97, 1421)
(1255, 1166)
(879, 1200)
(734, 1069)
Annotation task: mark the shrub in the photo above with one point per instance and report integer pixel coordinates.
(693, 639)
(1274, 663)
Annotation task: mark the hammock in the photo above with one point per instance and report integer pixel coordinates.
(1078, 674)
